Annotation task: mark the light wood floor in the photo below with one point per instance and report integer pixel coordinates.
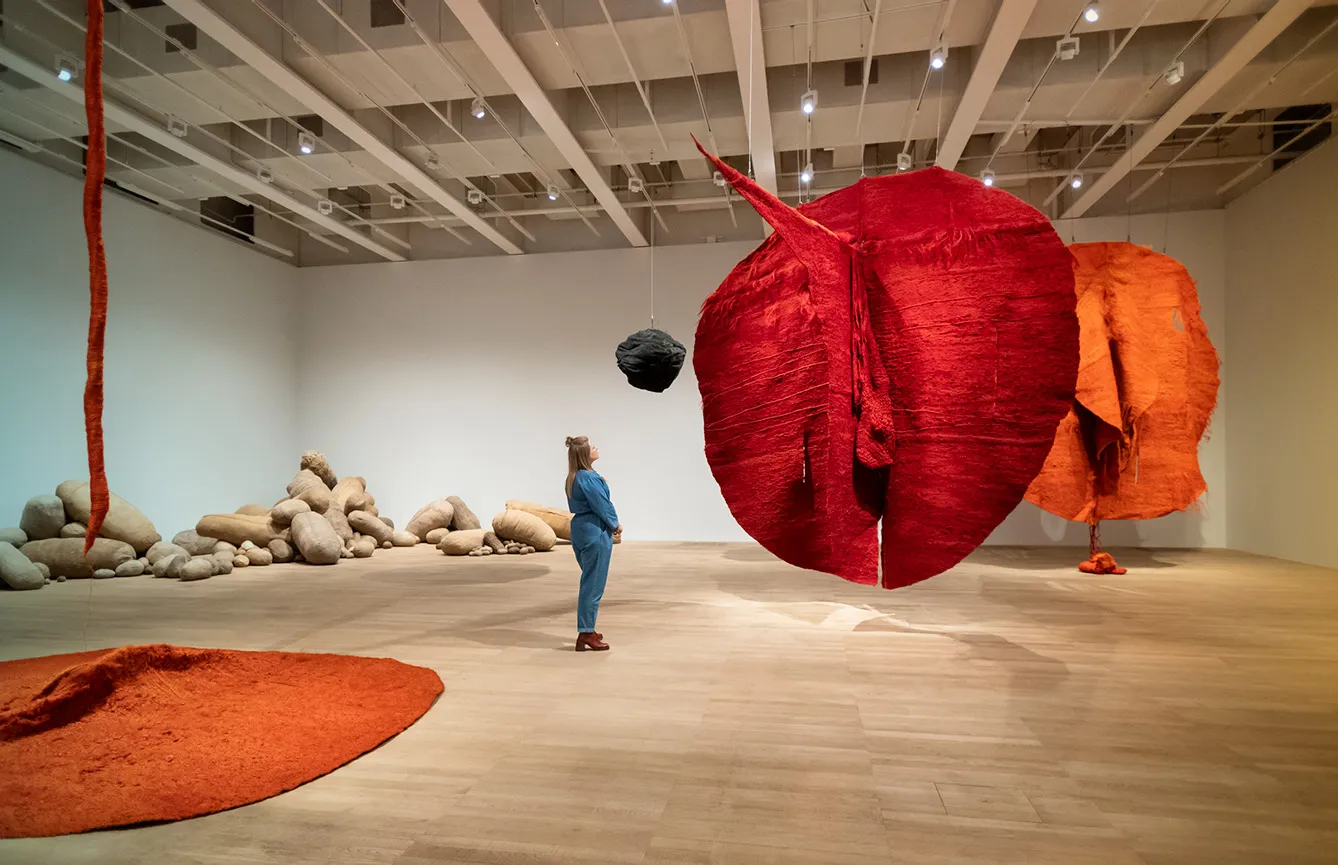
(1012, 711)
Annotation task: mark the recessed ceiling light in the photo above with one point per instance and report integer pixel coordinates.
(1091, 14)
(808, 103)
(552, 192)
(477, 109)
(938, 58)
(987, 177)
(66, 69)
(306, 142)
(1076, 180)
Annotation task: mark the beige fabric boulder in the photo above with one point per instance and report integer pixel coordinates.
(75, 530)
(558, 519)
(310, 489)
(241, 561)
(281, 550)
(434, 537)
(17, 570)
(462, 542)
(170, 563)
(350, 494)
(201, 568)
(317, 464)
(65, 556)
(365, 523)
(260, 556)
(222, 563)
(494, 543)
(315, 538)
(404, 539)
(237, 529)
(363, 546)
(339, 521)
(124, 522)
(437, 515)
(252, 510)
(132, 568)
(43, 518)
(524, 527)
(195, 543)
(15, 536)
(464, 518)
(282, 514)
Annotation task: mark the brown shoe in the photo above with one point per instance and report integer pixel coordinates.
(591, 642)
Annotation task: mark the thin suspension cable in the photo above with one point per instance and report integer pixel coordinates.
(1150, 88)
(1239, 178)
(640, 89)
(1119, 49)
(1236, 109)
(459, 74)
(701, 100)
(864, 88)
(599, 112)
(940, 32)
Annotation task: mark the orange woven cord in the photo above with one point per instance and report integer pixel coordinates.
(94, 173)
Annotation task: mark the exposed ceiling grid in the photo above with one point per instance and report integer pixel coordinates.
(517, 121)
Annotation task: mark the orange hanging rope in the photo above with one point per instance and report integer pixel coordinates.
(95, 171)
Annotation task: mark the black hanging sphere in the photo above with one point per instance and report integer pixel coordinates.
(651, 359)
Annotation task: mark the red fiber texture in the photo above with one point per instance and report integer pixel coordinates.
(902, 350)
(1147, 387)
(94, 173)
(152, 733)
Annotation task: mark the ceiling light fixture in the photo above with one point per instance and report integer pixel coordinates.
(1076, 180)
(176, 126)
(718, 179)
(987, 177)
(636, 185)
(477, 109)
(433, 162)
(1175, 73)
(1067, 48)
(938, 58)
(265, 175)
(397, 202)
(806, 176)
(808, 103)
(1092, 14)
(306, 142)
(325, 207)
(474, 196)
(552, 192)
(66, 69)
(904, 162)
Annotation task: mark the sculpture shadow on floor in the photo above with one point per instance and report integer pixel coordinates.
(484, 574)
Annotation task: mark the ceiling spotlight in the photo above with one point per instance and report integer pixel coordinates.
(654, 160)
(552, 192)
(1175, 73)
(809, 101)
(636, 185)
(433, 162)
(176, 126)
(474, 196)
(1076, 180)
(306, 142)
(66, 69)
(667, 2)
(719, 179)
(987, 177)
(397, 202)
(325, 207)
(477, 109)
(1067, 48)
(1091, 14)
(938, 58)
(265, 175)
(806, 176)
(904, 162)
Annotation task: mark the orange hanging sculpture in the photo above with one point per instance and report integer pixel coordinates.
(1147, 385)
(94, 173)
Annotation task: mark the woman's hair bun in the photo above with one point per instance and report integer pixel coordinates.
(570, 441)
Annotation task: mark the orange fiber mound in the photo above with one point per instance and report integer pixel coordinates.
(154, 733)
(1147, 385)
(1101, 563)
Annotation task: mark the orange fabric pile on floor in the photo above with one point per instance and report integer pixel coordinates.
(1147, 385)
(153, 733)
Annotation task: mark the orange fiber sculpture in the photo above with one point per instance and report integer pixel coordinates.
(1147, 385)
(152, 733)
(94, 173)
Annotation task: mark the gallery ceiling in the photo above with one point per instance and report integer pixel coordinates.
(443, 128)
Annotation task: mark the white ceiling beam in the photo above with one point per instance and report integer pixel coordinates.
(282, 76)
(1255, 40)
(745, 31)
(502, 55)
(156, 132)
(1009, 21)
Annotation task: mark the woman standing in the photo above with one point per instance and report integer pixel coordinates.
(592, 530)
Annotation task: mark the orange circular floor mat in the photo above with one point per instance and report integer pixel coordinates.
(154, 733)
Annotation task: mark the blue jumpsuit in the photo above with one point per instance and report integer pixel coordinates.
(592, 540)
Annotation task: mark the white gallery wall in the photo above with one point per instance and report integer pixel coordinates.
(1282, 293)
(201, 372)
(463, 377)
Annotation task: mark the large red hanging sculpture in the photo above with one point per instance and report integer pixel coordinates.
(1147, 385)
(899, 351)
(94, 173)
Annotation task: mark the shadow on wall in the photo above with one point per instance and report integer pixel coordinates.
(1029, 525)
